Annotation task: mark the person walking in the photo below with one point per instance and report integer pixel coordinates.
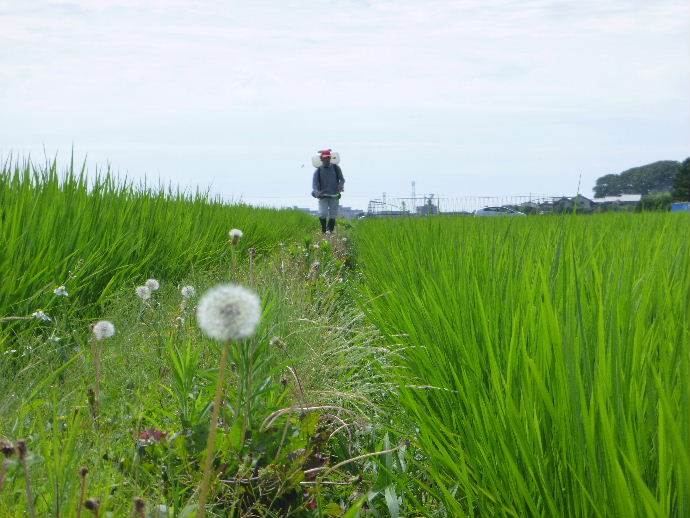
(327, 185)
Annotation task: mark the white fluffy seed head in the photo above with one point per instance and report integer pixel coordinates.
(235, 235)
(143, 292)
(61, 291)
(152, 284)
(103, 329)
(188, 292)
(40, 315)
(228, 312)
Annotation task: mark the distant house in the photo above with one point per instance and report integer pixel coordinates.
(575, 203)
(623, 199)
(582, 203)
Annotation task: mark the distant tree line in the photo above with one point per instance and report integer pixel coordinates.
(681, 186)
(653, 181)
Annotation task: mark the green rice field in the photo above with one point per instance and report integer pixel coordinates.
(544, 361)
(402, 367)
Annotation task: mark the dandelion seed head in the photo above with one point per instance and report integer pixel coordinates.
(139, 504)
(143, 292)
(235, 236)
(103, 329)
(152, 284)
(228, 311)
(276, 341)
(40, 315)
(188, 292)
(7, 448)
(61, 291)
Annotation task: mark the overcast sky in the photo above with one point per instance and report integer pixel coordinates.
(466, 97)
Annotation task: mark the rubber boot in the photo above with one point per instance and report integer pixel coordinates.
(331, 224)
(323, 224)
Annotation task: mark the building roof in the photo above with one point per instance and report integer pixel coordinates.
(621, 199)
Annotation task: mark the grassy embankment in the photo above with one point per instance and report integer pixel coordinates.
(301, 393)
(545, 361)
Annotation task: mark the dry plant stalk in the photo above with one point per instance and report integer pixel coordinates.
(7, 449)
(23, 452)
(82, 489)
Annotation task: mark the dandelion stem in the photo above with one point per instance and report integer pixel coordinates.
(233, 272)
(21, 447)
(95, 350)
(252, 257)
(211, 443)
(82, 490)
(3, 472)
(247, 389)
(10, 319)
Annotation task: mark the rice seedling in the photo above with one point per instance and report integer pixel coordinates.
(109, 232)
(542, 363)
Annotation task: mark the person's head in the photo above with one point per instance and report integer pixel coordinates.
(325, 157)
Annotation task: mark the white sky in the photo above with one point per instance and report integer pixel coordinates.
(494, 97)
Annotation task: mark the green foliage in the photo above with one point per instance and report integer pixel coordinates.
(681, 186)
(654, 177)
(544, 363)
(659, 202)
(311, 367)
(95, 235)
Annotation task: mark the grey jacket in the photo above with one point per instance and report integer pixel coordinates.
(327, 181)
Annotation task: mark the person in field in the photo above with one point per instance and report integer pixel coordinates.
(327, 185)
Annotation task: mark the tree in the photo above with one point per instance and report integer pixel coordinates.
(608, 185)
(646, 179)
(681, 185)
(659, 201)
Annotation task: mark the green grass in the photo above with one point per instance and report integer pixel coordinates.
(538, 366)
(98, 235)
(159, 372)
(544, 361)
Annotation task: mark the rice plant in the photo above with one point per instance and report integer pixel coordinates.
(65, 233)
(545, 361)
